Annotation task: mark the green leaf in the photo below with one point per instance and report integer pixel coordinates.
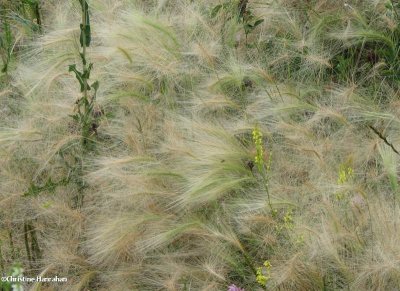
(75, 117)
(95, 85)
(83, 58)
(82, 3)
(85, 27)
(78, 75)
(258, 22)
(85, 32)
(248, 28)
(5, 67)
(215, 10)
(50, 186)
(388, 5)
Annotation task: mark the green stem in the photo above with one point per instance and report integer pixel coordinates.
(265, 182)
(38, 17)
(34, 242)
(26, 241)
(1, 259)
(248, 260)
(84, 65)
(11, 244)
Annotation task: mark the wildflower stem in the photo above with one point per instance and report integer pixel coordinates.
(265, 180)
(382, 137)
(248, 261)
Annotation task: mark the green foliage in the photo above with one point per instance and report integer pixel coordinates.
(82, 77)
(16, 271)
(250, 22)
(6, 43)
(49, 186)
(238, 10)
(85, 36)
(85, 116)
(367, 46)
(30, 2)
(34, 6)
(227, 6)
(12, 15)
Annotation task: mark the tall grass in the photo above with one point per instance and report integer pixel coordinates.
(230, 151)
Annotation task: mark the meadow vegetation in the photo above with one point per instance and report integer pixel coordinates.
(200, 145)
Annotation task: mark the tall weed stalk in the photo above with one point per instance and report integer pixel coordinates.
(85, 104)
(84, 109)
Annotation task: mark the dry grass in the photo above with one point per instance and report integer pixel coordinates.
(172, 198)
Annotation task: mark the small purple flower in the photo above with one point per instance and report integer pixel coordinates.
(233, 287)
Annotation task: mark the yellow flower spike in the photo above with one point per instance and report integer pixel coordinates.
(257, 139)
(288, 220)
(263, 277)
(345, 174)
